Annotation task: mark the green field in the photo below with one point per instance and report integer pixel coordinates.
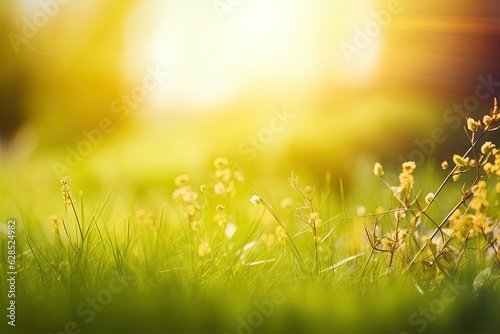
(223, 254)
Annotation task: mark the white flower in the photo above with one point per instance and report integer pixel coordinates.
(230, 230)
(256, 200)
(400, 214)
(219, 188)
(360, 210)
(429, 198)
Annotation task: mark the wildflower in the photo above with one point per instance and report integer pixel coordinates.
(396, 191)
(223, 174)
(489, 168)
(191, 210)
(487, 147)
(189, 196)
(473, 163)
(280, 233)
(203, 188)
(287, 203)
(221, 219)
(429, 198)
(406, 180)
(219, 208)
(146, 218)
(487, 120)
(204, 249)
(219, 188)
(256, 200)
(314, 219)
(479, 202)
(54, 220)
(494, 111)
(460, 161)
(360, 210)
(409, 167)
(455, 177)
(268, 239)
(195, 224)
(473, 125)
(181, 180)
(378, 170)
(308, 190)
(221, 163)
(65, 181)
(238, 176)
(230, 230)
(400, 214)
(444, 165)
(392, 241)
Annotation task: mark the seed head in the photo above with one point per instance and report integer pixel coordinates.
(409, 167)
(460, 161)
(378, 170)
(65, 181)
(487, 147)
(473, 125)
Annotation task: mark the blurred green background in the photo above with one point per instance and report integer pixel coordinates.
(143, 90)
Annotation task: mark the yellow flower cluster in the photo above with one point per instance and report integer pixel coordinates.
(314, 219)
(475, 223)
(406, 179)
(271, 239)
(54, 221)
(488, 120)
(204, 249)
(494, 168)
(225, 178)
(221, 219)
(186, 196)
(65, 181)
(392, 241)
(146, 218)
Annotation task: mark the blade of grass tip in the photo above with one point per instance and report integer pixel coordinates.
(160, 224)
(28, 242)
(365, 267)
(342, 197)
(341, 262)
(51, 265)
(82, 213)
(209, 265)
(268, 208)
(328, 180)
(67, 235)
(77, 219)
(98, 213)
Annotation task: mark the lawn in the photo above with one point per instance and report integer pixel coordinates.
(222, 252)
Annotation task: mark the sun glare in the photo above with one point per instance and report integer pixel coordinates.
(214, 57)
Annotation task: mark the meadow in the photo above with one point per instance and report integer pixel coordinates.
(410, 250)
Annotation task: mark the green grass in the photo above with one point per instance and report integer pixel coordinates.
(290, 255)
